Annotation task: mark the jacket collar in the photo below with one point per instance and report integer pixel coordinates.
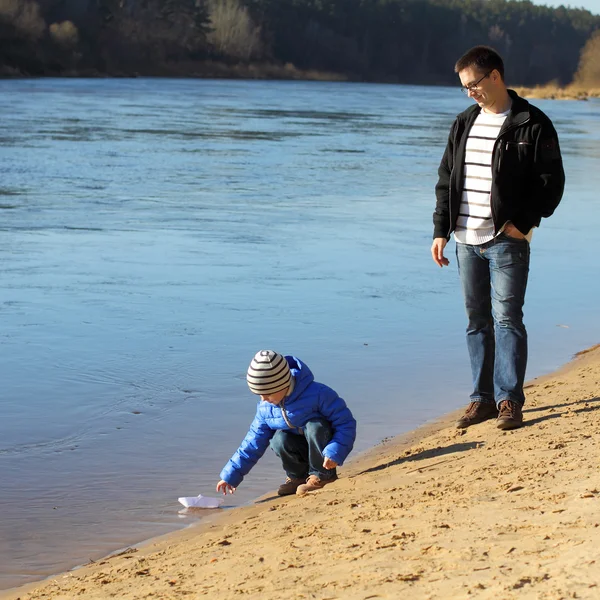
(301, 375)
(520, 109)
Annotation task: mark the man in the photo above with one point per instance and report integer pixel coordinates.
(500, 174)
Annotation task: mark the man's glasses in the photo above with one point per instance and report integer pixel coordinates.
(473, 86)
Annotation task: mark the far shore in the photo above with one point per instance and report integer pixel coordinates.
(193, 70)
(554, 92)
(281, 72)
(437, 513)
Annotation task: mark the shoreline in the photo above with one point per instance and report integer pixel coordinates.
(207, 69)
(478, 512)
(213, 518)
(555, 92)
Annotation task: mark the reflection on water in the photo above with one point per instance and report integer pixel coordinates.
(157, 233)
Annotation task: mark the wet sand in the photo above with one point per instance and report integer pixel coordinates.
(439, 513)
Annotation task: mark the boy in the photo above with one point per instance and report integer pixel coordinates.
(308, 425)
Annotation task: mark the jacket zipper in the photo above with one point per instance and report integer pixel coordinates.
(497, 145)
(450, 186)
(450, 209)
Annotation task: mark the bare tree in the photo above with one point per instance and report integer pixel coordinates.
(24, 17)
(588, 71)
(65, 34)
(233, 33)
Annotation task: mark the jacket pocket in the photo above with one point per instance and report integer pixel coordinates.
(522, 149)
(517, 156)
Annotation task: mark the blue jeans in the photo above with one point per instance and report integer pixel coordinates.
(494, 279)
(302, 455)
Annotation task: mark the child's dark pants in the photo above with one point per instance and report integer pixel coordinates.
(302, 455)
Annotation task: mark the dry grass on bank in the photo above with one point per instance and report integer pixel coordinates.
(552, 91)
(266, 71)
(209, 69)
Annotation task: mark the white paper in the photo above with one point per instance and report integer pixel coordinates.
(201, 501)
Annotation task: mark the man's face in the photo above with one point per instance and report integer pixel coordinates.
(482, 86)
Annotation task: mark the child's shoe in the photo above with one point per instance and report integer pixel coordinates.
(290, 486)
(313, 483)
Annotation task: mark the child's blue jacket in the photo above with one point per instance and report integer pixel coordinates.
(309, 400)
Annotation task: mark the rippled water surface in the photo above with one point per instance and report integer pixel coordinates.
(154, 234)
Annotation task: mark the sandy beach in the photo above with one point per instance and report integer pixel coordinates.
(440, 513)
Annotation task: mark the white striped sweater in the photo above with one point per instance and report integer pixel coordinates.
(475, 225)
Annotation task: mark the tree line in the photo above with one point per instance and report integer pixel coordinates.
(406, 41)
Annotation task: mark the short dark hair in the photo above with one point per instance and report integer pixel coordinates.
(483, 58)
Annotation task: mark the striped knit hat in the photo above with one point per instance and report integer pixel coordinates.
(268, 373)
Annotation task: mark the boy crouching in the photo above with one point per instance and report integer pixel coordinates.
(308, 425)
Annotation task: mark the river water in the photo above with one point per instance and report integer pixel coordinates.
(156, 233)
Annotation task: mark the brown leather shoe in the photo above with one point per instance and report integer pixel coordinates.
(290, 486)
(477, 412)
(312, 484)
(511, 415)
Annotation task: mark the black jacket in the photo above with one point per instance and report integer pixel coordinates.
(527, 172)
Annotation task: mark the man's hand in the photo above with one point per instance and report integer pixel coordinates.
(437, 252)
(511, 231)
(224, 487)
(328, 463)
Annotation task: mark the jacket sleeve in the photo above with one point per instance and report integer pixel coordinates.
(441, 215)
(250, 451)
(334, 409)
(548, 179)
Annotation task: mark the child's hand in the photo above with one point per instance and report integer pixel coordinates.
(224, 487)
(329, 463)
